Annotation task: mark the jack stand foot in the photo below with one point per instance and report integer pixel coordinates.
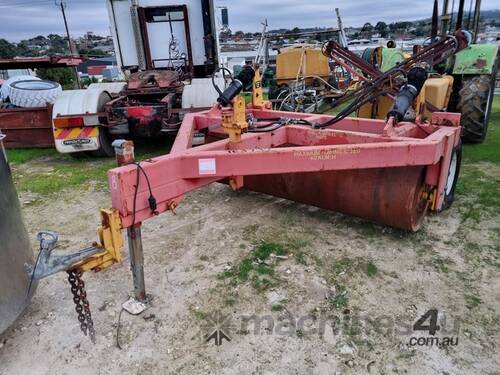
(134, 307)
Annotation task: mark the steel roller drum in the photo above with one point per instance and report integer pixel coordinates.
(15, 250)
(388, 196)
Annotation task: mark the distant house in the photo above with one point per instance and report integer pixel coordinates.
(100, 61)
(104, 48)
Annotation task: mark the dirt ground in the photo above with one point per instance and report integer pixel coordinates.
(341, 298)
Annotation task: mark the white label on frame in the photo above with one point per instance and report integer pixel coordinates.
(206, 167)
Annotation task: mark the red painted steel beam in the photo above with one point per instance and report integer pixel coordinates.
(186, 169)
(41, 62)
(304, 136)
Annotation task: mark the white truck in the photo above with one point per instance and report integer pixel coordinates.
(166, 50)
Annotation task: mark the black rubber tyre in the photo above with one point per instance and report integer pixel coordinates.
(475, 98)
(274, 91)
(106, 150)
(453, 172)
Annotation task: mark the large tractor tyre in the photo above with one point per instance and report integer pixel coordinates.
(5, 89)
(33, 93)
(451, 181)
(474, 102)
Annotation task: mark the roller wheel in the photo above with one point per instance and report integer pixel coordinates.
(475, 98)
(453, 172)
(388, 196)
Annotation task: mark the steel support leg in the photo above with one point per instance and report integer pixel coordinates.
(124, 151)
(137, 262)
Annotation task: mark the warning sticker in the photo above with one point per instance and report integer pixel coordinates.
(206, 166)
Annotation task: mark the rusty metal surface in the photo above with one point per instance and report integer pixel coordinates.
(388, 82)
(154, 79)
(476, 59)
(15, 251)
(41, 62)
(27, 127)
(389, 196)
(145, 35)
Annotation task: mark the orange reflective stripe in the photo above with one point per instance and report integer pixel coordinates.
(63, 134)
(94, 132)
(73, 133)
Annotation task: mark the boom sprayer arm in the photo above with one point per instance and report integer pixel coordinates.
(376, 82)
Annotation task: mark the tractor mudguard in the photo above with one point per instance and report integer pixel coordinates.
(476, 59)
(390, 58)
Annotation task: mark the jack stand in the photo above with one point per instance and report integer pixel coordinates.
(137, 262)
(125, 155)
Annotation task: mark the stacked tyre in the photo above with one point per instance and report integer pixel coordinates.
(5, 87)
(33, 93)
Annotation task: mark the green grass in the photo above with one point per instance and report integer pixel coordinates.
(340, 300)
(482, 193)
(65, 174)
(265, 249)
(252, 266)
(371, 269)
(472, 301)
(479, 188)
(23, 155)
(277, 307)
(57, 171)
(490, 149)
(230, 301)
(347, 265)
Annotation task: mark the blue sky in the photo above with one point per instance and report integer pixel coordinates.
(25, 18)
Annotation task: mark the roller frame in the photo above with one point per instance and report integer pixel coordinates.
(351, 144)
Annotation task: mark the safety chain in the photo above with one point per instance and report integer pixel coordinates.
(82, 305)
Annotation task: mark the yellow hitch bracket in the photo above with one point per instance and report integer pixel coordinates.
(234, 120)
(111, 242)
